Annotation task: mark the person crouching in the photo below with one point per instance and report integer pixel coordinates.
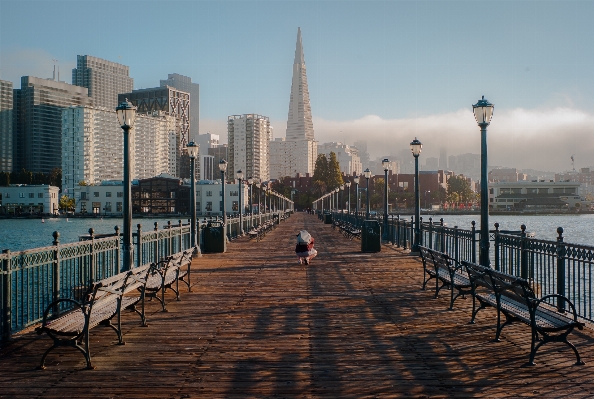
(304, 249)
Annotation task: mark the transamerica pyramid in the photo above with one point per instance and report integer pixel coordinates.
(299, 124)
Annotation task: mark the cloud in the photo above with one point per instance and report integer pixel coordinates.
(536, 139)
(32, 62)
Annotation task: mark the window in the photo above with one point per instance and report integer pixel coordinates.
(235, 206)
(21, 195)
(233, 193)
(197, 206)
(108, 207)
(209, 193)
(120, 194)
(7, 195)
(39, 195)
(96, 194)
(118, 206)
(83, 195)
(108, 194)
(31, 195)
(209, 206)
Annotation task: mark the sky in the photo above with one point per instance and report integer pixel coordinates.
(381, 71)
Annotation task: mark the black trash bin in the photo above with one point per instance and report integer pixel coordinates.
(371, 236)
(214, 237)
(327, 218)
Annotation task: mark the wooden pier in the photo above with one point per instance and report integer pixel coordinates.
(258, 324)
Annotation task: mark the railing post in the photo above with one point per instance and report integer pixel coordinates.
(170, 239)
(56, 270)
(456, 243)
(497, 244)
(442, 238)
(156, 247)
(139, 245)
(420, 230)
(118, 265)
(523, 254)
(412, 232)
(430, 243)
(6, 295)
(397, 232)
(91, 268)
(473, 242)
(180, 239)
(561, 252)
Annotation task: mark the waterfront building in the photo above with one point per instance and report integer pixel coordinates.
(104, 79)
(209, 198)
(18, 199)
(249, 138)
(6, 130)
(347, 156)
(585, 177)
(184, 83)
(535, 195)
(38, 106)
(170, 101)
(93, 146)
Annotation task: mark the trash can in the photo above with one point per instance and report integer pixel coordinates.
(327, 218)
(371, 236)
(214, 237)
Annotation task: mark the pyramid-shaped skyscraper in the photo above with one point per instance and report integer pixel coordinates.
(298, 151)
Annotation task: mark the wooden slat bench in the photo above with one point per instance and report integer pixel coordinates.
(451, 274)
(514, 298)
(260, 232)
(104, 300)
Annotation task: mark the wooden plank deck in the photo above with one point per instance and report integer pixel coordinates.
(257, 324)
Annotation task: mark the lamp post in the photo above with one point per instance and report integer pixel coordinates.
(356, 180)
(193, 149)
(336, 190)
(341, 188)
(367, 175)
(415, 147)
(223, 168)
(239, 175)
(126, 114)
(250, 181)
(386, 165)
(483, 112)
(426, 192)
(348, 186)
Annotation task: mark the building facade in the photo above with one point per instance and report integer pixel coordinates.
(38, 121)
(184, 83)
(207, 162)
(289, 158)
(347, 156)
(103, 79)
(535, 195)
(209, 197)
(29, 199)
(249, 138)
(93, 146)
(6, 130)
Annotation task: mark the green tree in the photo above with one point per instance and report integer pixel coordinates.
(66, 203)
(334, 173)
(460, 186)
(320, 175)
(55, 177)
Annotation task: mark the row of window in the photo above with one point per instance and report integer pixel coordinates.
(83, 195)
(22, 195)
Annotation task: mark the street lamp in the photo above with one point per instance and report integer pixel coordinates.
(336, 190)
(193, 149)
(367, 175)
(223, 168)
(341, 188)
(386, 165)
(250, 181)
(348, 186)
(239, 175)
(415, 147)
(356, 180)
(483, 112)
(126, 114)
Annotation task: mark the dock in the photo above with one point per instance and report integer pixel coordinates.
(258, 324)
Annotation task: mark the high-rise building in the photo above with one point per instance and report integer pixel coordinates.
(93, 146)
(443, 159)
(249, 137)
(169, 101)
(347, 156)
(218, 153)
(104, 79)
(6, 131)
(207, 167)
(184, 83)
(299, 122)
(297, 152)
(38, 121)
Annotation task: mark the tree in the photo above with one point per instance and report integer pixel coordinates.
(460, 186)
(66, 203)
(334, 173)
(55, 177)
(4, 179)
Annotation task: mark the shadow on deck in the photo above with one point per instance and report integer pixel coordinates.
(258, 324)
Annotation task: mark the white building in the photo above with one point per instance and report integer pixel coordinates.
(209, 198)
(347, 156)
(22, 198)
(535, 194)
(104, 199)
(288, 158)
(93, 146)
(249, 136)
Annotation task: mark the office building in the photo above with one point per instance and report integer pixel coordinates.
(184, 83)
(347, 156)
(6, 131)
(289, 158)
(104, 79)
(93, 146)
(249, 138)
(208, 167)
(170, 101)
(38, 121)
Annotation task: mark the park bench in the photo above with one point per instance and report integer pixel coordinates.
(449, 272)
(514, 298)
(428, 265)
(68, 322)
(167, 273)
(260, 232)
